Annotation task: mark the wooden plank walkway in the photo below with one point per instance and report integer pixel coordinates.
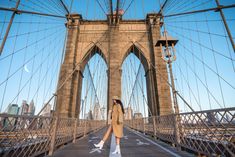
(133, 144)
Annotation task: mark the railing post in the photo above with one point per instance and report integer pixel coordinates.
(154, 127)
(144, 125)
(84, 134)
(53, 138)
(133, 124)
(177, 131)
(136, 124)
(75, 130)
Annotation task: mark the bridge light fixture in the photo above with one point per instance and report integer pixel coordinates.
(167, 47)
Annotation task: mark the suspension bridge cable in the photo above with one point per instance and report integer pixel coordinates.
(29, 45)
(199, 5)
(201, 81)
(170, 5)
(181, 6)
(9, 70)
(41, 6)
(138, 83)
(216, 66)
(165, 3)
(106, 6)
(32, 74)
(92, 80)
(65, 7)
(22, 70)
(205, 63)
(169, 84)
(31, 77)
(202, 59)
(30, 7)
(200, 11)
(127, 7)
(31, 12)
(187, 78)
(87, 8)
(229, 50)
(198, 21)
(135, 82)
(95, 79)
(200, 31)
(185, 9)
(32, 22)
(202, 45)
(4, 22)
(12, 74)
(86, 95)
(40, 81)
(32, 32)
(37, 69)
(194, 67)
(101, 6)
(188, 84)
(55, 74)
(123, 2)
(56, 5)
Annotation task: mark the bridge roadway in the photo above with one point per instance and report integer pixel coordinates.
(133, 144)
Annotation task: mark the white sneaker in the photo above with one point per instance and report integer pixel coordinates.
(100, 144)
(117, 150)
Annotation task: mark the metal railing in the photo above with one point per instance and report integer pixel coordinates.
(35, 135)
(210, 133)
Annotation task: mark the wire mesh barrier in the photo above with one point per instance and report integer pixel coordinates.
(34, 135)
(210, 132)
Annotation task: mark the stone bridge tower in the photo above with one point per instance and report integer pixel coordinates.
(114, 40)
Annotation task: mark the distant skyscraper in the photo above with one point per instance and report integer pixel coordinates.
(128, 113)
(96, 112)
(31, 109)
(138, 115)
(24, 108)
(89, 115)
(102, 112)
(211, 118)
(13, 109)
(46, 111)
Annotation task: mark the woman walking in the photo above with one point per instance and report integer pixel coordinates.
(116, 125)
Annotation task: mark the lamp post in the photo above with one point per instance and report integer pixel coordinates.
(167, 46)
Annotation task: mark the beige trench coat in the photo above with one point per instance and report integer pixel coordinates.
(117, 120)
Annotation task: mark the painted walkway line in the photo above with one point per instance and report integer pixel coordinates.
(112, 148)
(156, 144)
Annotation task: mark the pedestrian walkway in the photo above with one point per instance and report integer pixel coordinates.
(133, 144)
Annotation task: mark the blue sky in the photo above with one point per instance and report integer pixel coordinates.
(36, 43)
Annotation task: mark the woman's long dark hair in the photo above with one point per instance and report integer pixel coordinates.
(120, 102)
